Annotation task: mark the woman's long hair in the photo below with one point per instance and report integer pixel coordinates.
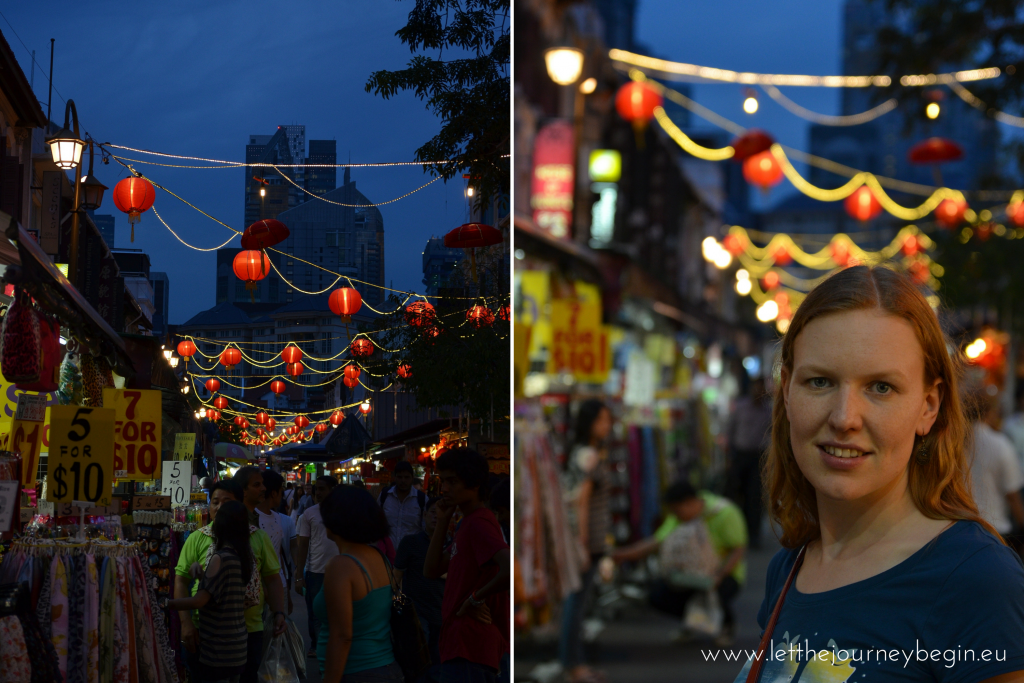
(231, 527)
(938, 472)
(586, 416)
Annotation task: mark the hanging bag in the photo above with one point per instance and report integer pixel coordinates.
(21, 341)
(407, 639)
(687, 557)
(278, 665)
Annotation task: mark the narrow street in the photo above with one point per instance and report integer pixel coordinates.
(636, 645)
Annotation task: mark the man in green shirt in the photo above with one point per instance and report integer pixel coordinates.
(196, 552)
(727, 530)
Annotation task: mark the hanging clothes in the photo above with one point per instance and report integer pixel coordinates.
(108, 595)
(76, 620)
(92, 620)
(125, 599)
(59, 613)
(15, 665)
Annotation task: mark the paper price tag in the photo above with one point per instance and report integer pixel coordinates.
(46, 508)
(137, 425)
(31, 407)
(151, 503)
(177, 481)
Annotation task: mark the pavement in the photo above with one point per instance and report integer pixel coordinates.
(631, 641)
(298, 615)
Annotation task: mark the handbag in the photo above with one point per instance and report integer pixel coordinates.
(407, 639)
(704, 614)
(755, 668)
(21, 341)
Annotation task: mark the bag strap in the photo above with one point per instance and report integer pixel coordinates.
(755, 668)
(391, 575)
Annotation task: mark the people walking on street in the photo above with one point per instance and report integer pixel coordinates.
(354, 607)
(402, 504)
(306, 501)
(426, 594)
(313, 550)
(278, 527)
(868, 480)
(262, 586)
(747, 438)
(250, 480)
(996, 478)
(475, 611)
(289, 498)
(220, 599)
(727, 533)
(590, 494)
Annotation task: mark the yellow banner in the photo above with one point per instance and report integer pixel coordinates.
(80, 466)
(579, 342)
(535, 295)
(136, 432)
(521, 356)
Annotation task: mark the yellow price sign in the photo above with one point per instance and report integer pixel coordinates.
(136, 432)
(184, 445)
(80, 469)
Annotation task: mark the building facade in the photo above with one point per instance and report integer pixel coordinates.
(161, 285)
(439, 264)
(107, 227)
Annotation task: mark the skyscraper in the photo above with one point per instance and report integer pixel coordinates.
(161, 300)
(439, 262)
(322, 180)
(107, 227)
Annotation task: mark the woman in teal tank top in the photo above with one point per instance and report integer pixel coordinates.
(355, 603)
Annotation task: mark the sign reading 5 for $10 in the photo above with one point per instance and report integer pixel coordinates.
(136, 432)
(80, 462)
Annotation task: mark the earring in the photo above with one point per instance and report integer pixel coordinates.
(922, 451)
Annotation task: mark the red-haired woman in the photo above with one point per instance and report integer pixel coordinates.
(888, 572)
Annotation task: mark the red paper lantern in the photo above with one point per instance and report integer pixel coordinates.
(752, 142)
(935, 151)
(733, 244)
(220, 403)
(480, 316)
(345, 302)
(294, 369)
(250, 267)
(420, 314)
(271, 423)
(505, 313)
(919, 271)
(362, 347)
(277, 386)
(364, 407)
(404, 371)
(1015, 212)
(862, 204)
(321, 428)
(230, 358)
(636, 103)
(134, 196)
(260, 432)
(212, 384)
(212, 415)
(186, 349)
(264, 233)
(770, 280)
(911, 246)
(350, 382)
(301, 421)
(782, 257)
(239, 420)
(291, 430)
(763, 170)
(950, 213)
(291, 354)
(840, 253)
(352, 370)
(261, 418)
(337, 417)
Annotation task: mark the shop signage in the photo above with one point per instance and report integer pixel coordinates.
(27, 434)
(151, 503)
(311, 468)
(605, 166)
(177, 481)
(579, 343)
(551, 192)
(136, 431)
(81, 466)
(184, 445)
(49, 223)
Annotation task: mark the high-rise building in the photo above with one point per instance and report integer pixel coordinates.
(322, 180)
(106, 225)
(161, 285)
(134, 267)
(343, 239)
(439, 263)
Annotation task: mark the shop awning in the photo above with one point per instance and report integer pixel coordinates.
(60, 298)
(566, 253)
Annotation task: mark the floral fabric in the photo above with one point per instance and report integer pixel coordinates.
(59, 613)
(165, 653)
(144, 649)
(43, 604)
(126, 668)
(15, 665)
(76, 619)
(108, 616)
(92, 620)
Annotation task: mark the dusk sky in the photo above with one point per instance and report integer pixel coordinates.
(197, 78)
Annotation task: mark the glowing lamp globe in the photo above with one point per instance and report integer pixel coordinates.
(362, 348)
(291, 354)
(212, 384)
(564, 64)
(763, 170)
(345, 302)
(862, 204)
(277, 386)
(66, 148)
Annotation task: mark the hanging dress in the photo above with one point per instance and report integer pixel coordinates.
(108, 595)
(127, 656)
(92, 620)
(59, 613)
(15, 665)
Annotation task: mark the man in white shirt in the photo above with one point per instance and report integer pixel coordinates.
(403, 506)
(313, 545)
(279, 527)
(996, 474)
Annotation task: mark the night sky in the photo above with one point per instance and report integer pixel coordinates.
(197, 78)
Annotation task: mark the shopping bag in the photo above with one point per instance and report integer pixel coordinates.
(293, 640)
(278, 665)
(687, 557)
(704, 614)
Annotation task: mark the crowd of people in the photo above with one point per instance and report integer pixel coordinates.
(348, 554)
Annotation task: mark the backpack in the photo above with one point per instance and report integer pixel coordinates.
(421, 498)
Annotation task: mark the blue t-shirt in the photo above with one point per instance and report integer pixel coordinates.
(953, 611)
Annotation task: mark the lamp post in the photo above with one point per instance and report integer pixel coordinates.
(92, 187)
(66, 147)
(565, 66)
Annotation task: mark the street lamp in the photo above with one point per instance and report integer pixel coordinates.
(66, 145)
(92, 188)
(564, 64)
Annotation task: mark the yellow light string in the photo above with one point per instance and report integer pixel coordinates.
(971, 99)
(356, 206)
(762, 258)
(760, 296)
(824, 119)
(727, 76)
(220, 246)
(299, 289)
(157, 163)
(688, 145)
(283, 415)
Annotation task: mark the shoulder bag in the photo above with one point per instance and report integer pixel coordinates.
(755, 668)
(407, 639)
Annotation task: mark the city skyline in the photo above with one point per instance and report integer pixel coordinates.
(185, 112)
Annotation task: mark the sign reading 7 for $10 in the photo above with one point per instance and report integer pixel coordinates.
(136, 432)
